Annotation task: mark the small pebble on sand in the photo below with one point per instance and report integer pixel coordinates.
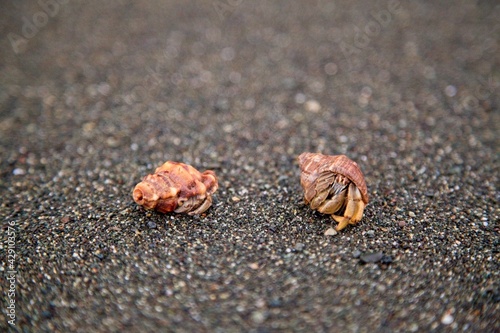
(312, 106)
(447, 319)
(331, 232)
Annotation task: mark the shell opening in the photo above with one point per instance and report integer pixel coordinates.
(138, 196)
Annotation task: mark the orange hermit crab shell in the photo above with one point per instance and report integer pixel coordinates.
(334, 185)
(176, 187)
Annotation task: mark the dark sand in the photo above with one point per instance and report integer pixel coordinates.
(101, 94)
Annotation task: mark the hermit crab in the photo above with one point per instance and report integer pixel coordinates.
(176, 187)
(333, 185)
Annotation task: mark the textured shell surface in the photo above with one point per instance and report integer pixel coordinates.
(176, 187)
(319, 171)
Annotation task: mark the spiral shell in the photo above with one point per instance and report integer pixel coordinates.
(313, 165)
(334, 185)
(176, 187)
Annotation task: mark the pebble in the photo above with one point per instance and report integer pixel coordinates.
(275, 303)
(386, 259)
(254, 265)
(411, 214)
(18, 172)
(151, 225)
(331, 232)
(371, 257)
(312, 106)
(450, 91)
(299, 247)
(258, 317)
(447, 319)
(47, 314)
(370, 233)
(300, 98)
(356, 253)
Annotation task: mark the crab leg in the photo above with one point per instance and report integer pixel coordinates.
(203, 207)
(354, 209)
(319, 199)
(334, 204)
